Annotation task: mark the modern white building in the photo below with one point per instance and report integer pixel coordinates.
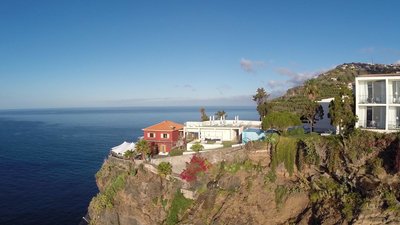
(220, 130)
(378, 102)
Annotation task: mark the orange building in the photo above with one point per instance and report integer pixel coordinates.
(163, 136)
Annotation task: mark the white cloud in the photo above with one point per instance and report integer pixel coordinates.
(250, 66)
(296, 78)
(397, 62)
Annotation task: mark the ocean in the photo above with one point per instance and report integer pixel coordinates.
(48, 157)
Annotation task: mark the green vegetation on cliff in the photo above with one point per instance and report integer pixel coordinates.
(179, 205)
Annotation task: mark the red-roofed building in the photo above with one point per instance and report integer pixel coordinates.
(163, 136)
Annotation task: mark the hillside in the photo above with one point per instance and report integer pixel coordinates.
(298, 180)
(328, 83)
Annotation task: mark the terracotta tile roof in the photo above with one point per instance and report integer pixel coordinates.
(165, 125)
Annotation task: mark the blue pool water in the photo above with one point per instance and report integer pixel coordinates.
(48, 157)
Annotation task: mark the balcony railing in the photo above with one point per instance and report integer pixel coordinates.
(365, 99)
(372, 124)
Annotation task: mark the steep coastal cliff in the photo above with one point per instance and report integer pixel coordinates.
(308, 180)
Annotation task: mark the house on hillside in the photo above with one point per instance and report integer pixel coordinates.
(324, 124)
(378, 102)
(164, 136)
(218, 130)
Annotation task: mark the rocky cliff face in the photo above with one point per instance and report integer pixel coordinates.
(242, 196)
(354, 181)
(130, 194)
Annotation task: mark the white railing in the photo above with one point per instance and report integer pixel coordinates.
(235, 123)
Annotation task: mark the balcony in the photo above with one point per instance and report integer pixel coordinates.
(368, 99)
(372, 124)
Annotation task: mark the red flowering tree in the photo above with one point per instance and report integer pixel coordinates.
(196, 165)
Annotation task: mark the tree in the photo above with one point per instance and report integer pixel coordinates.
(280, 121)
(311, 90)
(203, 115)
(312, 111)
(142, 146)
(164, 169)
(341, 110)
(196, 166)
(130, 154)
(220, 114)
(261, 98)
(197, 147)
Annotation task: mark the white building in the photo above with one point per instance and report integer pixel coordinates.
(219, 130)
(378, 102)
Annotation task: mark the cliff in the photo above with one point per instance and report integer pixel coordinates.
(299, 180)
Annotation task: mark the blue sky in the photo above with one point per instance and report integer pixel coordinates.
(131, 53)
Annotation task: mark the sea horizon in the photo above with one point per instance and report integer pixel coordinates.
(125, 107)
(49, 157)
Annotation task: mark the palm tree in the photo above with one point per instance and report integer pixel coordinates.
(130, 154)
(220, 114)
(142, 147)
(203, 115)
(261, 98)
(311, 90)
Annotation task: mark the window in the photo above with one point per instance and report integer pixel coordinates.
(164, 135)
(151, 135)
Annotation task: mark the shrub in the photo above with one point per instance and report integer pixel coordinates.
(179, 204)
(130, 154)
(281, 194)
(232, 168)
(391, 202)
(351, 204)
(307, 152)
(176, 151)
(280, 121)
(270, 177)
(196, 165)
(296, 131)
(106, 198)
(197, 147)
(285, 153)
(164, 168)
(227, 144)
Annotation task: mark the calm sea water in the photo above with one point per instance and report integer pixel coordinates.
(48, 158)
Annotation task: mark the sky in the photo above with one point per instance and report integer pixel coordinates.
(94, 53)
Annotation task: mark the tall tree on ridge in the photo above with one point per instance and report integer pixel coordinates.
(203, 115)
(341, 110)
(261, 98)
(143, 147)
(312, 111)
